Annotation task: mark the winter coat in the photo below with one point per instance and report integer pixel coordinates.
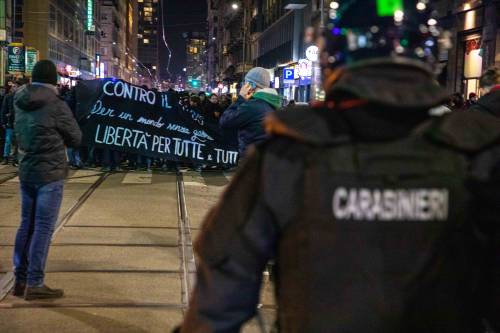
(247, 117)
(8, 115)
(489, 103)
(359, 274)
(44, 126)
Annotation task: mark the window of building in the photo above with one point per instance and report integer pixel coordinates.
(52, 19)
(473, 65)
(59, 23)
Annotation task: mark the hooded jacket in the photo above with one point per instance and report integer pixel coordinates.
(357, 276)
(247, 117)
(44, 126)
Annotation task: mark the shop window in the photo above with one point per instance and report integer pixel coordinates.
(473, 66)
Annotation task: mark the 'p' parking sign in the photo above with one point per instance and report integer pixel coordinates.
(288, 75)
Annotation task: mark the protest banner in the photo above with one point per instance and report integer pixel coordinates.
(121, 116)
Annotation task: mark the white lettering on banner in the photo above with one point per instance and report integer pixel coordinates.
(121, 137)
(164, 101)
(128, 91)
(151, 122)
(141, 140)
(178, 128)
(201, 136)
(188, 149)
(99, 110)
(126, 116)
(226, 157)
(161, 144)
(391, 205)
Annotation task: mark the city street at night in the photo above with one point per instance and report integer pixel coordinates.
(253, 166)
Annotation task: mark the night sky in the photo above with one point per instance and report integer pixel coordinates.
(180, 16)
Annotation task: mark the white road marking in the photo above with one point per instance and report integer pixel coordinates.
(228, 176)
(84, 177)
(137, 178)
(13, 180)
(192, 178)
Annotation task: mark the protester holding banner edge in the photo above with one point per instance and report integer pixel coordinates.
(254, 102)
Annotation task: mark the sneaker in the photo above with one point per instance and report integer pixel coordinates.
(19, 289)
(43, 292)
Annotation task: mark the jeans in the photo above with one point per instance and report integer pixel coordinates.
(9, 134)
(111, 158)
(40, 209)
(74, 157)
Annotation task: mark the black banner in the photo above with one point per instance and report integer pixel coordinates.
(120, 116)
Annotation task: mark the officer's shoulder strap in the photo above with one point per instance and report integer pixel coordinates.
(466, 132)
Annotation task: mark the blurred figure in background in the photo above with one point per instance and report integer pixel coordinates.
(490, 89)
(7, 120)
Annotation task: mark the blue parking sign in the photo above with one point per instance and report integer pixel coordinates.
(289, 74)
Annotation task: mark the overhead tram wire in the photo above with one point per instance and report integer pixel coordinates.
(164, 37)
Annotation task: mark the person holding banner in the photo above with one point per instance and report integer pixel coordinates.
(254, 102)
(45, 126)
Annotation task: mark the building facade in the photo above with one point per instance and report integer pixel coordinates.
(196, 61)
(118, 47)
(66, 32)
(476, 43)
(265, 33)
(148, 41)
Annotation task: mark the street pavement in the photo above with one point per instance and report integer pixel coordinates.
(119, 253)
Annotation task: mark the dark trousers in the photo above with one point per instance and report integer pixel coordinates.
(40, 204)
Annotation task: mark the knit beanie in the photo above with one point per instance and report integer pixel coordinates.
(260, 76)
(45, 72)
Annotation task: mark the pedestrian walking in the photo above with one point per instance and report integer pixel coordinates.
(44, 126)
(7, 120)
(380, 218)
(254, 102)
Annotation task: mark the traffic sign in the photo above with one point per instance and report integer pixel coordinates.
(289, 75)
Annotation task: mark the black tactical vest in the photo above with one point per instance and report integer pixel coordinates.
(384, 243)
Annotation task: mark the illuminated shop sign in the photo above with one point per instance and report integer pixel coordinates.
(90, 15)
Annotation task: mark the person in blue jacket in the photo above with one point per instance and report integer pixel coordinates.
(246, 115)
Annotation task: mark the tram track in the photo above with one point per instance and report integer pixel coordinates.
(7, 281)
(188, 261)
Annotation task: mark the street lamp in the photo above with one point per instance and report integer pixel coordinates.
(235, 6)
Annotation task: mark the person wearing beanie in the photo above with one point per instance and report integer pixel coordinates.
(254, 102)
(44, 126)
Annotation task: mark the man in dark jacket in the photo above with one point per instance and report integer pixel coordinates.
(246, 115)
(379, 218)
(490, 88)
(7, 120)
(44, 127)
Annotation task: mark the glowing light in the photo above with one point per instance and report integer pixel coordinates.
(334, 5)
(421, 6)
(399, 16)
(235, 6)
(432, 22)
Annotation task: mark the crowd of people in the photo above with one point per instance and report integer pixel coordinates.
(257, 97)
